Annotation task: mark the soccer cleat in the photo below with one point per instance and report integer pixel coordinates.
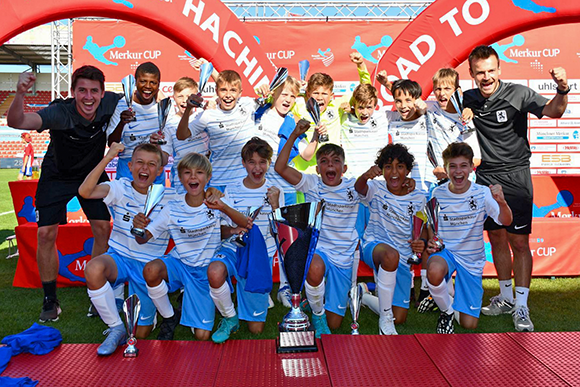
(423, 293)
(226, 327)
(522, 321)
(284, 296)
(497, 305)
(320, 325)
(92, 311)
(270, 302)
(167, 327)
(365, 287)
(427, 305)
(387, 324)
(305, 306)
(117, 336)
(445, 323)
(50, 310)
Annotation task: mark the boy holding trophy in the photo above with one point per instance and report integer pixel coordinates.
(125, 259)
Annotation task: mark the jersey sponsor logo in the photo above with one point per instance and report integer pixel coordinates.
(501, 116)
(126, 217)
(256, 314)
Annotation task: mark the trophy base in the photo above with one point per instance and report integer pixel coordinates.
(295, 342)
(131, 353)
(414, 260)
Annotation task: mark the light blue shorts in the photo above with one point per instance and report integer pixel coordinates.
(338, 284)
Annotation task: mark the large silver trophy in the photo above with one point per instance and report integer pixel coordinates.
(128, 90)
(131, 309)
(277, 81)
(154, 196)
(355, 294)
(432, 210)
(252, 212)
(296, 229)
(416, 229)
(205, 71)
(314, 109)
(163, 108)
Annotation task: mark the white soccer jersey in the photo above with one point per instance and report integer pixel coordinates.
(338, 236)
(126, 202)
(135, 132)
(461, 218)
(228, 132)
(390, 217)
(196, 231)
(413, 134)
(362, 142)
(242, 197)
(178, 148)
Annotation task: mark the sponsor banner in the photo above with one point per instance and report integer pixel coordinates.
(555, 160)
(565, 148)
(554, 135)
(543, 148)
(543, 171)
(536, 123)
(574, 171)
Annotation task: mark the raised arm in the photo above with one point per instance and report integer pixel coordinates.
(556, 107)
(363, 72)
(361, 185)
(90, 189)
(281, 167)
(17, 119)
(505, 212)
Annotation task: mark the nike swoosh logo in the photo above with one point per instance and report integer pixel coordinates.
(473, 307)
(444, 207)
(406, 301)
(132, 206)
(238, 201)
(484, 114)
(520, 227)
(341, 307)
(258, 314)
(508, 285)
(181, 221)
(206, 321)
(520, 292)
(143, 318)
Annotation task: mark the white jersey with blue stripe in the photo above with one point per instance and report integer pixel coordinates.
(338, 236)
(413, 134)
(196, 231)
(362, 142)
(242, 197)
(390, 217)
(135, 132)
(228, 132)
(126, 202)
(461, 218)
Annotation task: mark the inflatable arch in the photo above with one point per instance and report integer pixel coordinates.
(206, 28)
(445, 33)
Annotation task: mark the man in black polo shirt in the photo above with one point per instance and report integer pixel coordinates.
(500, 117)
(77, 144)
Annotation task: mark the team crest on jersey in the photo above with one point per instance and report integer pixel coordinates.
(266, 200)
(330, 114)
(182, 230)
(445, 218)
(410, 209)
(385, 206)
(501, 116)
(373, 123)
(210, 214)
(422, 125)
(472, 204)
(397, 132)
(350, 194)
(243, 111)
(221, 125)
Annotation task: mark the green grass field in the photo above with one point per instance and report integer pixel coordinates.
(553, 302)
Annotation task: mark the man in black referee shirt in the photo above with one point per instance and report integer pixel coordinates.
(500, 118)
(77, 144)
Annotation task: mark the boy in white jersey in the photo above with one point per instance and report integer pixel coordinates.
(464, 206)
(125, 259)
(182, 90)
(194, 224)
(131, 133)
(334, 255)
(228, 127)
(254, 190)
(386, 243)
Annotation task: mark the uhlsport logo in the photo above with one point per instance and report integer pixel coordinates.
(367, 51)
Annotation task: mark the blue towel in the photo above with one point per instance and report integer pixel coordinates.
(286, 129)
(38, 340)
(253, 263)
(5, 355)
(17, 382)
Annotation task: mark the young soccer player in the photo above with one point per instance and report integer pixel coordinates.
(125, 259)
(387, 244)
(464, 207)
(27, 159)
(194, 224)
(132, 133)
(254, 190)
(333, 259)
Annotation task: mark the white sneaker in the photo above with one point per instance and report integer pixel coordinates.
(387, 324)
(522, 321)
(497, 305)
(284, 296)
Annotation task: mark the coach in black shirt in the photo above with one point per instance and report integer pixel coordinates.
(501, 120)
(77, 144)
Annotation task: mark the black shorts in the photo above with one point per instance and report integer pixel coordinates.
(52, 196)
(519, 195)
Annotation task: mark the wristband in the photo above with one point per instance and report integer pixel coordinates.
(563, 92)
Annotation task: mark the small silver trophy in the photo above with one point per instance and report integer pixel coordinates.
(457, 101)
(253, 213)
(163, 108)
(129, 89)
(154, 196)
(296, 229)
(314, 110)
(131, 309)
(432, 210)
(303, 67)
(277, 81)
(416, 229)
(355, 294)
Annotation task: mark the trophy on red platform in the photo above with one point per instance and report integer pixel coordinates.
(131, 309)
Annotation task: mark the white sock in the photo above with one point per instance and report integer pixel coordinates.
(283, 279)
(386, 289)
(222, 298)
(119, 291)
(315, 296)
(160, 299)
(371, 302)
(451, 288)
(506, 291)
(441, 297)
(522, 296)
(424, 285)
(104, 300)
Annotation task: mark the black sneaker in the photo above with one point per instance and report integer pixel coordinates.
(445, 323)
(92, 311)
(427, 305)
(50, 310)
(424, 293)
(167, 327)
